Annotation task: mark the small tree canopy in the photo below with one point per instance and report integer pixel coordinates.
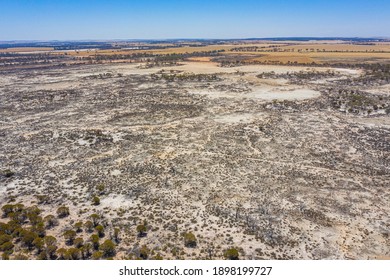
(69, 236)
(78, 242)
(231, 254)
(100, 230)
(88, 226)
(50, 221)
(97, 255)
(189, 240)
(95, 200)
(144, 252)
(63, 212)
(78, 226)
(108, 248)
(95, 241)
(141, 229)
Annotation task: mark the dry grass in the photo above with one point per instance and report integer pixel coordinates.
(200, 59)
(319, 57)
(180, 50)
(339, 47)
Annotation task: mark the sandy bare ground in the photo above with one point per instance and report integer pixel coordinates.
(265, 165)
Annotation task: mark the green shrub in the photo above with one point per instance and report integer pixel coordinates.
(88, 226)
(63, 212)
(95, 219)
(5, 238)
(27, 238)
(7, 247)
(231, 254)
(189, 240)
(73, 254)
(96, 201)
(78, 226)
(7, 173)
(78, 242)
(108, 248)
(100, 230)
(141, 229)
(95, 241)
(69, 236)
(97, 255)
(144, 252)
(50, 221)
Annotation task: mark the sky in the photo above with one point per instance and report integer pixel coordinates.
(173, 19)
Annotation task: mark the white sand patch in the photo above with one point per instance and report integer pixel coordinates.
(116, 172)
(265, 93)
(118, 136)
(117, 201)
(297, 94)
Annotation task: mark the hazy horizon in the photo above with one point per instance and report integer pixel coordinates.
(44, 20)
(195, 39)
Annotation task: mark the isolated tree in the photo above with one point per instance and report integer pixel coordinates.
(69, 236)
(100, 188)
(144, 252)
(95, 241)
(88, 226)
(95, 219)
(189, 240)
(78, 242)
(231, 254)
(63, 212)
(141, 229)
(78, 226)
(116, 235)
(50, 221)
(96, 201)
(86, 250)
(107, 248)
(100, 230)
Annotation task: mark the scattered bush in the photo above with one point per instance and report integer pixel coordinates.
(144, 252)
(100, 230)
(141, 229)
(108, 248)
(63, 212)
(189, 240)
(96, 201)
(231, 254)
(69, 236)
(50, 221)
(7, 173)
